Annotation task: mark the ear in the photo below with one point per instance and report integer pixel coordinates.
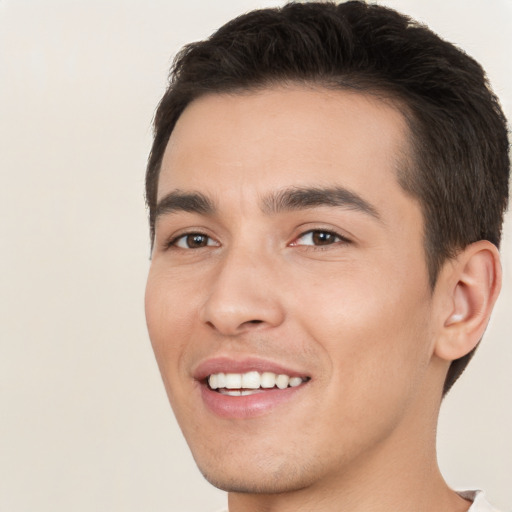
(470, 285)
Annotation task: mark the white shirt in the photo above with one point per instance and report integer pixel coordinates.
(480, 504)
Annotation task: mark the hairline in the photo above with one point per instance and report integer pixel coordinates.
(406, 163)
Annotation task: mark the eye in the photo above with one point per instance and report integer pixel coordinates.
(319, 237)
(193, 241)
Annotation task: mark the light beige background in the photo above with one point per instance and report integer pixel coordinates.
(84, 422)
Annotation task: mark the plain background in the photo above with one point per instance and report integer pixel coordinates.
(84, 421)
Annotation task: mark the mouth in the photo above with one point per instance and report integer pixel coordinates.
(249, 388)
(251, 383)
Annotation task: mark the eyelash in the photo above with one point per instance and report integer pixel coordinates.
(173, 243)
(338, 239)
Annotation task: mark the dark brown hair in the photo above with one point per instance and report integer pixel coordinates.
(459, 167)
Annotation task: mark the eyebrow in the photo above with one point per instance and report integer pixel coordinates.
(290, 199)
(298, 198)
(178, 201)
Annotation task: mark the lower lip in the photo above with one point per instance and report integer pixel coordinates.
(249, 406)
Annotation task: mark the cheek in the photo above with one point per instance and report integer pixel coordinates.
(169, 327)
(166, 317)
(372, 328)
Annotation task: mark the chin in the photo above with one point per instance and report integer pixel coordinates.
(266, 476)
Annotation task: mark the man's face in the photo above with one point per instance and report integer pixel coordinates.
(285, 245)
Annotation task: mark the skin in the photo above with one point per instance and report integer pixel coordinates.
(356, 314)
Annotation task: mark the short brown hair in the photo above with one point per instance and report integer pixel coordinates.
(459, 168)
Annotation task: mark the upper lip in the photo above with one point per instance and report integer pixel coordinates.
(226, 364)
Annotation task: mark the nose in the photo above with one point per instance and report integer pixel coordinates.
(243, 295)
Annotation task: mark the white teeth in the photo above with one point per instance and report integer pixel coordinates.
(245, 392)
(268, 380)
(221, 380)
(245, 383)
(251, 380)
(213, 381)
(233, 381)
(295, 381)
(239, 392)
(217, 380)
(282, 381)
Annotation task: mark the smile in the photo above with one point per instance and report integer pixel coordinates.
(244, 384)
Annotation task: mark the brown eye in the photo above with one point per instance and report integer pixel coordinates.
(318, 237)
(193, 241)
(323, 238)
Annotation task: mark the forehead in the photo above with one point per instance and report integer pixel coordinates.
(253, 142)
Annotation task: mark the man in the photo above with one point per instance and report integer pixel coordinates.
(326, 191)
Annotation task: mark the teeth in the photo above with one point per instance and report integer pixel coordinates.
(251, 380)
(239, 392)
(241, 384)
(221, 380)
(268, 380)
(233, 381)
(282, 381)
(214, 381)
(295, 381)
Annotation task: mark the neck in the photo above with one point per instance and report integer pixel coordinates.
(417, 485)
(399, 474)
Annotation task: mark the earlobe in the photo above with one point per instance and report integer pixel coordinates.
(471, 288)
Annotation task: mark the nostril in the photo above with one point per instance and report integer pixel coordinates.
(215, 326)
